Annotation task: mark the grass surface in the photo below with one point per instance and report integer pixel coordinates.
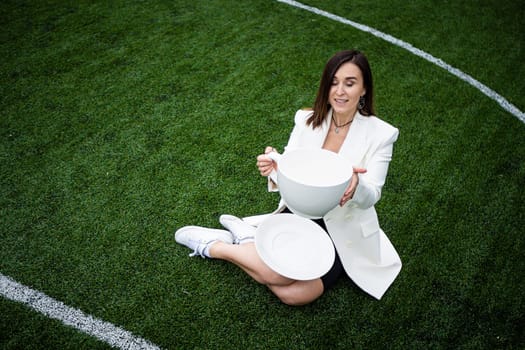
(122, 121)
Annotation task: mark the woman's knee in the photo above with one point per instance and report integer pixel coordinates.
(295, 299)
(299, 293)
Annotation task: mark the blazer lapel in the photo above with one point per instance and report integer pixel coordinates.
(354, 147)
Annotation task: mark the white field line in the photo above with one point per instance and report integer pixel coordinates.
(104, 331)
(502, 101)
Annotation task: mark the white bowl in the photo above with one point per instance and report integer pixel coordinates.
(312, 181)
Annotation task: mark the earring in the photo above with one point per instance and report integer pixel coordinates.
(361, 103)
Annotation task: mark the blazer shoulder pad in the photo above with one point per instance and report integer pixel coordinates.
(387, 130)
(302, 115)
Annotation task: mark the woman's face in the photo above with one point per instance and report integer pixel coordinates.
(347, 87)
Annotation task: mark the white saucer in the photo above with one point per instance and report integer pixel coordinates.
(294, 247)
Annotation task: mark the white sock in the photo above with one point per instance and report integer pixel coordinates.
(203, 251)
(206, 250)
(247, 240)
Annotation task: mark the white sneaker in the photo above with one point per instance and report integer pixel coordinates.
(199, 238)
(242, 232)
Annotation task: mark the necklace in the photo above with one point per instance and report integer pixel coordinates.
(337, 127)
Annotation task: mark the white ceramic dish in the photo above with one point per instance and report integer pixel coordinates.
(294, 247)
(312, 181)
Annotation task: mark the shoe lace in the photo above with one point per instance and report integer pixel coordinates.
(199, 250)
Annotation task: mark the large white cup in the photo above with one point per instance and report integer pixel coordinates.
(311, 181)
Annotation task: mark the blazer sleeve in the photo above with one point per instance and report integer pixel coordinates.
(377, 160)
(300, 125)
(293, 142)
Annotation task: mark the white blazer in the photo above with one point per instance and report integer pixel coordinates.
(367, 255)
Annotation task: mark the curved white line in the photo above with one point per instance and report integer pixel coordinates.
(502, 101)
(104, 331)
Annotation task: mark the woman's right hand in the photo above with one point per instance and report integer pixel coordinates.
(264, 163)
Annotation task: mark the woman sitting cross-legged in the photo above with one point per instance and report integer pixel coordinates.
(342, 121)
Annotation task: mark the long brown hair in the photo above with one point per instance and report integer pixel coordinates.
(322, 106)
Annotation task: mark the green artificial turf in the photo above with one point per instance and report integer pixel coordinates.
(124, 120)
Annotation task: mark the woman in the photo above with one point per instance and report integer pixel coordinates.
(341, 121)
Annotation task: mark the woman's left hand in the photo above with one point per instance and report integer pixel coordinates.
(350, 190)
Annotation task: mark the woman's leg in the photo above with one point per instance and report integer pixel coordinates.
(289, 291)
(246, 257)
(299, 292)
